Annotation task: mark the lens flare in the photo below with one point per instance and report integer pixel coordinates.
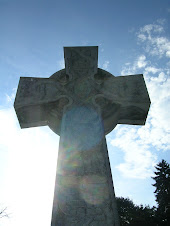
(81, 128)
(94, 189)
(70, 162)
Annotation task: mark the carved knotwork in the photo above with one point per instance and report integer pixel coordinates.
(61, 77)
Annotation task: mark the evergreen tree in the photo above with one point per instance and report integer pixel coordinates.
(132, 215)
(162, 192)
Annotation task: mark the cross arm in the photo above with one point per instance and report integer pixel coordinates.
(124, 99)
(35, 99)
(135, 107)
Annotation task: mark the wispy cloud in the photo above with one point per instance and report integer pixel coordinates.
(10, 97)
(151, 36)
(101, 48)
(151, 69)
(139, 63)
(105, 66)
(61, 64)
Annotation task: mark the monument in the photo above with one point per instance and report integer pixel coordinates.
(82, 103)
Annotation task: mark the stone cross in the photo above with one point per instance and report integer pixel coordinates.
(82, 103)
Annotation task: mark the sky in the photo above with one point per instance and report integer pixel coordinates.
(133, 38)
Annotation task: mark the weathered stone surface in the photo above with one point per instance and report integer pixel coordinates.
(122, 100)
(82, 103)
(84, 193)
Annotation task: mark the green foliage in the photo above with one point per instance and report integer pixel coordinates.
(162, 192)
(132, 215)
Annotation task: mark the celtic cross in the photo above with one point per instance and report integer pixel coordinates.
(82, 103)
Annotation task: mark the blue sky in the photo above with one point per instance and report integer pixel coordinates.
(133, 38)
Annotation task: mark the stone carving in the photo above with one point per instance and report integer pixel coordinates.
(82, 103)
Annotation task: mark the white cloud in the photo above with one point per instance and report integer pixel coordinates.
(136, 143)
(106, 65)
(158, 88)
(151, 69)
(152, 27)
(138, 159)
(155, 44)
(139, 63)
(168, 53)
(142, 37)
(141, 145)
